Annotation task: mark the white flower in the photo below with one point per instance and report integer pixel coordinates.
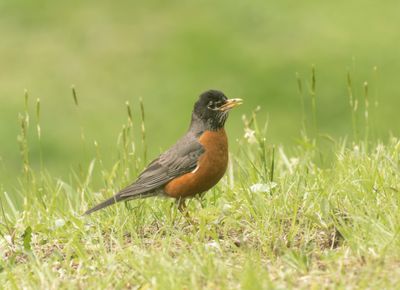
(294, 161)
(226, 208)
(263, 187)
(212, 245)
(59, 223)
(250, 135)
(8, 238)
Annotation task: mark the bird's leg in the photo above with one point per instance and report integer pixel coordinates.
(182, 207)
(200, 198)
(181, 204)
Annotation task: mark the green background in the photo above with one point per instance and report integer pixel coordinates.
(168, 52)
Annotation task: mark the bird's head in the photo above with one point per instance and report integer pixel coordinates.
(212, 109)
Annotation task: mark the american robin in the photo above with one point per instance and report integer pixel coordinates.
(194, 164)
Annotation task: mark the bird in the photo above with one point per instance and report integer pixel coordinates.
(192, 166)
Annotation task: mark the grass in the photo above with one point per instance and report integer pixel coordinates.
(321, 214)
(168, 53)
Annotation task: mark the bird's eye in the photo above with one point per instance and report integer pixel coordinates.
(211, 105)
(214, 105)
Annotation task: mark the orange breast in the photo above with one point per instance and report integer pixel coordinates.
(210, 167)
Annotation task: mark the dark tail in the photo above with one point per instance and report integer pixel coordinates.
(108, 202)
(120, 197)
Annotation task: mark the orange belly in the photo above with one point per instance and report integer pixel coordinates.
(210, 167)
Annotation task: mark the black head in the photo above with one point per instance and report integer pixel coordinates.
(212, 109)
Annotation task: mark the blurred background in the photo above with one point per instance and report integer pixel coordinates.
(168, 52)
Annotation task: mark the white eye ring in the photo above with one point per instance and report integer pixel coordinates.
(210, 108)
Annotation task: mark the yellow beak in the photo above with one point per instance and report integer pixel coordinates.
(230, 104)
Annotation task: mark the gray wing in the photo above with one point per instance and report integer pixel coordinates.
(178, 160)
